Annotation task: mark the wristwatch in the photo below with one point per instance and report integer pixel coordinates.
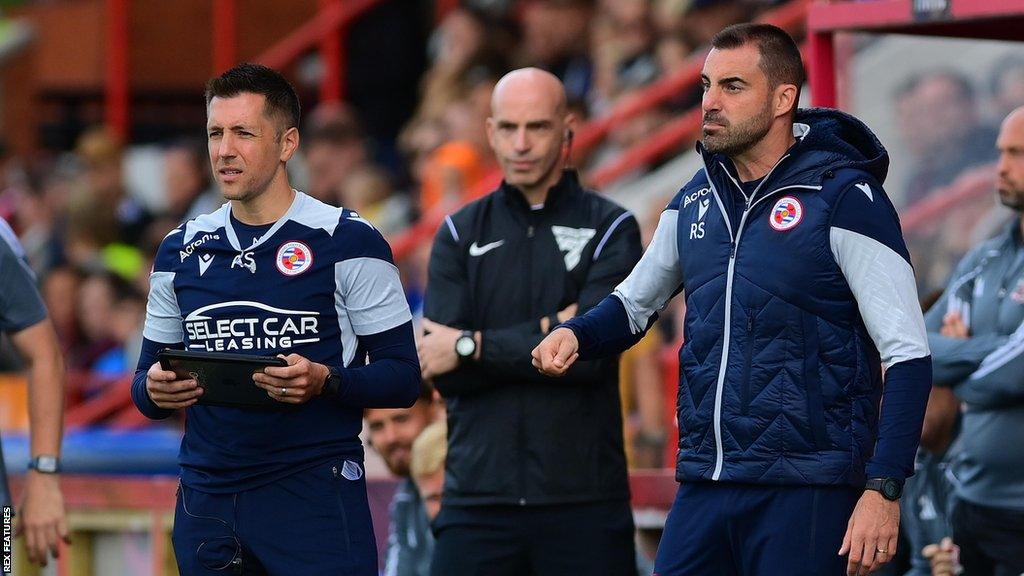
(465, 346)
(45, 464)
(890, 488)
(332, 384)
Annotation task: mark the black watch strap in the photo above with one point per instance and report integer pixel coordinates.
(332, 386)
(890, 488)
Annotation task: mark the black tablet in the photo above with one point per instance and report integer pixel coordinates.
(226, 379)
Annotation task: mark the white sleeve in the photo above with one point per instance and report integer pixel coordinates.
(655, 278)
(883, 283)
(163, 316)
(371, 293)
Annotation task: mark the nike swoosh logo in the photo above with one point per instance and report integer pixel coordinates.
(702, 208)
(475, 250)
(204, 263)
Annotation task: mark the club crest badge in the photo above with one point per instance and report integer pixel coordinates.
(786, 214)
(294, 258)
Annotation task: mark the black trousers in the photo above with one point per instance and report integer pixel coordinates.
(991, 540)
(556, 540)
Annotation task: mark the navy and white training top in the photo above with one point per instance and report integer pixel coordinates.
(320, 282)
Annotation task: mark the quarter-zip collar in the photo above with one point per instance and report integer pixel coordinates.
(567, 186)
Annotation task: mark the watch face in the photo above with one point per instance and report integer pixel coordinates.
(46, 464)
(891, 489)
(465, 346)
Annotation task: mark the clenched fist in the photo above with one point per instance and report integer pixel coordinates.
(556, 353)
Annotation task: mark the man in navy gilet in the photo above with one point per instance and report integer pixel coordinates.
(799, 293)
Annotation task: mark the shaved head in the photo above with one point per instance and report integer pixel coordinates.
(528, 128)
(538, 85)
(1010, 168)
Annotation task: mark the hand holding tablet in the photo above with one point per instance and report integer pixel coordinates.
(222, 380)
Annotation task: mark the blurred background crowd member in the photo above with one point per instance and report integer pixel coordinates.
(188, 188)
(429, 452)
(940, 150)
(392, 433)
(333, 147)
(103, 189)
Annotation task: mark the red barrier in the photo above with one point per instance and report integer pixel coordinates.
(116, 98)
(114, 398)
(971, 184)
(310, 34)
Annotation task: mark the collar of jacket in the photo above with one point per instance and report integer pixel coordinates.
(567, 185)
(826, 140)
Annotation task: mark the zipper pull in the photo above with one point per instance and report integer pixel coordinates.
(732, 250)
(529, 231)
(750, 323)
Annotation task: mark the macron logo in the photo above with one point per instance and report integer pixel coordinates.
(702, 208)
(866, 190)
(475, 250)
(204, 262)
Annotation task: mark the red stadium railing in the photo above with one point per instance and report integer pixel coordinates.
(971, 185)
(326, 30)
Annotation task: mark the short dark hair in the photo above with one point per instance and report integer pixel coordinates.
(780, 56)
(282, 101)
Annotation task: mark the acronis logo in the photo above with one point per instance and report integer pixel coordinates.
(191, 246)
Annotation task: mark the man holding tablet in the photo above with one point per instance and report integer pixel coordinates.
(274, 272)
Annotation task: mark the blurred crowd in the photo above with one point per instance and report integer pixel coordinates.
(951, 157)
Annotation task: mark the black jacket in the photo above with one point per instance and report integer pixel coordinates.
(498, 266)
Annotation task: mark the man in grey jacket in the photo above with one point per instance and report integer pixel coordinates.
(976, 334)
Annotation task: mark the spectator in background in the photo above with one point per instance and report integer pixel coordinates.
(392, 434)
(101, 153)
(940, 150)
(621, 42)
(333, 147)
(1008, 85)
(975, 332)
(368, 191)
(703, 18)
(127, 314)
(60, 293)
(428, 455)
(38, 227)
(96, 297)
(454, 170)
(187, 182)
(468, 52)
(554, 38)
